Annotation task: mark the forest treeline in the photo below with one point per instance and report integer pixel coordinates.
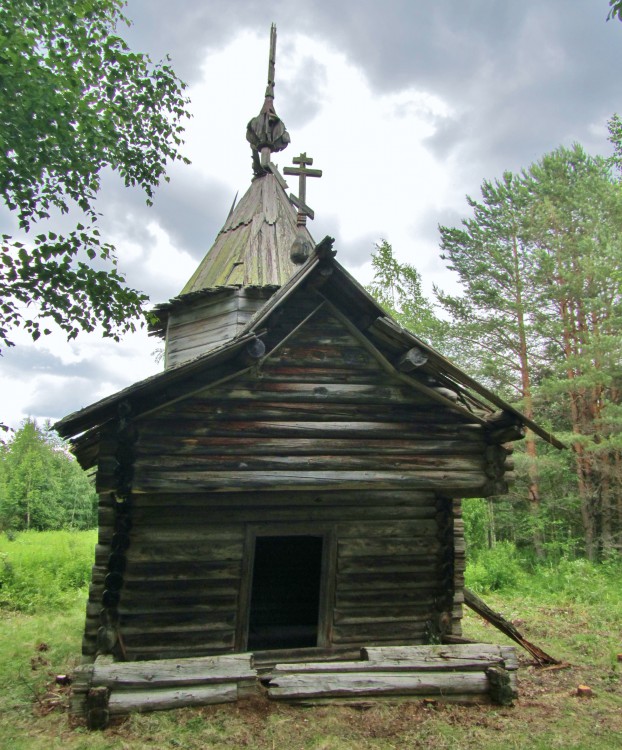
(538, 318)
(42, 486)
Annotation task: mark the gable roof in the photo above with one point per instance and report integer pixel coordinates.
(377, 332)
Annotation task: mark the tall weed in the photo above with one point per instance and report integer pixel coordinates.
(500, 567)
(44, 569)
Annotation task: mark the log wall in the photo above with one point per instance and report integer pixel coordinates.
(208, 322)
(316, 438)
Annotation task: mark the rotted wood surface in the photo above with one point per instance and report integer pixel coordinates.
(320, 390)
(505, 626)
(184, 566)
(450, 671)
(163, 699)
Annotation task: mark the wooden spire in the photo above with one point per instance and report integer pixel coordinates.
(266, 133)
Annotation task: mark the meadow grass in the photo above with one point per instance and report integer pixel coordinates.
(571, 610)
(44, 569)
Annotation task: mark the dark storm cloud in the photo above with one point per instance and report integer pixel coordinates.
(190, 208)
(61, 396)
(301, 95)
(66, 385)
(521, 77)
(34, 359)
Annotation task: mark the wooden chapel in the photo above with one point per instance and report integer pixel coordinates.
(290, 484)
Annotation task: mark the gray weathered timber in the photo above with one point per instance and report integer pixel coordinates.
(294, 686)
(445, 654)
(162, 699)
(166, 673)
(204, 324)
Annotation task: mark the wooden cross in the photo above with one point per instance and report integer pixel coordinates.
(302, 172)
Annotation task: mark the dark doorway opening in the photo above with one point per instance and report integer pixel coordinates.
(285, 594)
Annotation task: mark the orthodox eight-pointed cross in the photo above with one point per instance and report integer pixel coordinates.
(302, 172)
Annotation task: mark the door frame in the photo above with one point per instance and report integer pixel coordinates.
(328, 571)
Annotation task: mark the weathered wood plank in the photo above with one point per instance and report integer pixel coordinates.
(376, 683)
(330, 499)
(327, 462)
(206, 445)
(464, 483)
(400, 665)
(316, 429)
(155, 517)
(480, 651)
(174, 672)
(124, 702)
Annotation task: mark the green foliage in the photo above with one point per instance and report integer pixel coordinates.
(615, 10)
(500, 567)
(41, 484)
(476, 524)
(44, 570)
(581, 581)
(75, 99)
(397, 287)
(539, 320)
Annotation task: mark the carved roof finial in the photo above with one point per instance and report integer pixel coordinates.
(266, 133)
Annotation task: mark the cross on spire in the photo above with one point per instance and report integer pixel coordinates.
(302, 173)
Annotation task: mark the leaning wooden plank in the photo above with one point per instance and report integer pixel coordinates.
(295, 686)
(174, 672)
(127, 701)
(495, 618)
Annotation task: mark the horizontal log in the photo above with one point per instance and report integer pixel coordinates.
(446, 652)
(182, 587)
(240, 444)
(385, 547)
(177, 651)
(147, 607)
(422, 528)
(124, 702)
(377, 599)
(155, 519)
(327, 462)
(174, 672)
(376, 683)
(464, 483)
(374, 613)
(175, 428)
(412, 631)
(152, 550)
(201, 641)
(414, 665)
(165, 570)
(330, 498)
(385, 566)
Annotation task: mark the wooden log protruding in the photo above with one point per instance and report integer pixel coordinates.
(501, 690)
(412, 360)
(504, 427)
(495, 618)
(471, 672)
(254, 351)
(97, 713)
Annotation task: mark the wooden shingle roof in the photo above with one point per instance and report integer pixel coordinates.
(253, 247)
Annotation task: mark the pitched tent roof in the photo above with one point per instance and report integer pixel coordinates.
(350, 302)
(253, 247)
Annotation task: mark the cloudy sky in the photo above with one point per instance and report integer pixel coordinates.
(406, 105)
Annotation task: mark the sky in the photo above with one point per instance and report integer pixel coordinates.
(407, 106)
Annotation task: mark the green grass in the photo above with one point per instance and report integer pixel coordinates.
(44, 569)
(572, 611)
